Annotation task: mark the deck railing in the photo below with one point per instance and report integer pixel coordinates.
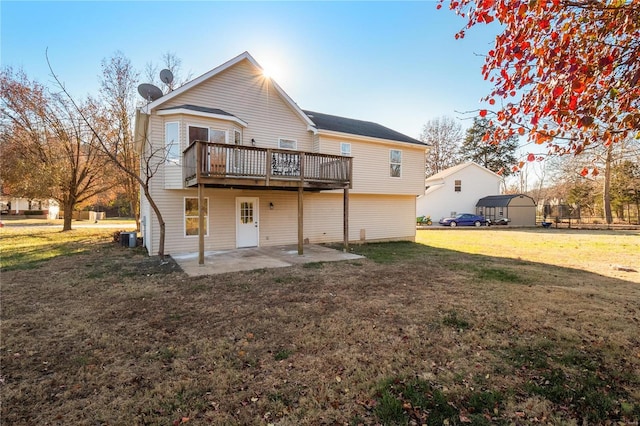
(208, 162)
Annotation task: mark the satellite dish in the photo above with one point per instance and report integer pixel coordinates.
(149, 92)
(166, 76)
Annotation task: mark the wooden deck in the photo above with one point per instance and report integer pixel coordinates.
(223, 165)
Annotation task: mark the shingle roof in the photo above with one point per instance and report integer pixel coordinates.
(199, 109)
(498, 200)
(357, 127)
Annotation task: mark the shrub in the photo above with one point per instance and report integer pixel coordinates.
(33, 213)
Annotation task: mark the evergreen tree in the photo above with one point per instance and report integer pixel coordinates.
(499, 158)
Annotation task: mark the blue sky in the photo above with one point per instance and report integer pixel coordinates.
(395, 63)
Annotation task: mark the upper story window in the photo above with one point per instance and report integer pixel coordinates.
(395, 163)
(217, 136)
(345, 149)
(287, 144)
(172, 141)
(198, 134)
(457, 185)
(207, 134)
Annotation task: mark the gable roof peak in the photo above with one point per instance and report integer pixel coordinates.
(451, 170)
(217, 70)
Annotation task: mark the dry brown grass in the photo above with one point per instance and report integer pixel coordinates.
(108, 336)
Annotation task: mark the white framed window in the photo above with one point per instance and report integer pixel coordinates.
(345, 149)
(217, 136)
(191, 216)
(198, 134)
(287, 144)
(457, 185)
(237, 137)
(172, 141)
(395, 163)
(207, 134)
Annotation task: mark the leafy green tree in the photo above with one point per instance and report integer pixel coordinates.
(499, 158)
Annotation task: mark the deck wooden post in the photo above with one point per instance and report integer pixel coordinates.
(300, 221)
(200, 224)
(345, 218)
(268, 166)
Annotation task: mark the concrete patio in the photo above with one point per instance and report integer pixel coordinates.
(246, 259)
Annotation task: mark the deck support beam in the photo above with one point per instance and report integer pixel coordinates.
(345, 219)
(300, 220)
(201, 231)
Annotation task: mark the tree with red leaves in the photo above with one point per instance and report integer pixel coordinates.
(566, 73)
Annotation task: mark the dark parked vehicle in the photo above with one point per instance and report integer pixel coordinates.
(500, 221)
(464, 219)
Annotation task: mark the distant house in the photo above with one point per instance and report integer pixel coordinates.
(18, 206)
(457, 190)
(520, 209)
(267, 172)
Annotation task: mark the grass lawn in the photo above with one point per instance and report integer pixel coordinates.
(476, 327)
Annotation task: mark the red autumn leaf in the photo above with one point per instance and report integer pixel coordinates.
(573, 102)
(521, 131)
(558, 91)
(578, 86)
(595, 172)
(531, 157)
(483, 113)
(492, 101)
(584, 172)
(522, 10)
(534, 120)
(439, 6)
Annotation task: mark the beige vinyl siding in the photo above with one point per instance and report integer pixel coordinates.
(244, 92)
(323, 219)
(377, 217)
(371, 165)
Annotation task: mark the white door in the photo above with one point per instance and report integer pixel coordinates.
(247, 230)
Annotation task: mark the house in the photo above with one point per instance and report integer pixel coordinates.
(456, 190)
(20, 206)
(269, 173)
(520, 209)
